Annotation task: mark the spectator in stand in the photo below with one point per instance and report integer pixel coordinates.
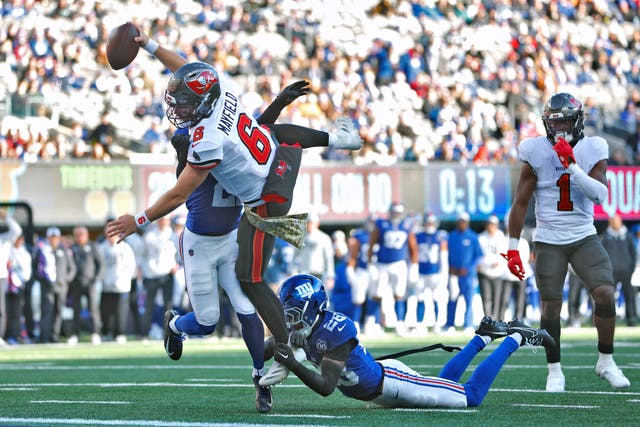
(155, 138)
(104, 134)
(618, 243)
(56, 269)
(7, 240)
(119, 268)
(88, 261)
(19, 267)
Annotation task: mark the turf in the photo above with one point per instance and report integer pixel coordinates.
(137, 384)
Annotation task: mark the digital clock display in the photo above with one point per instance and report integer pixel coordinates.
(480, 191)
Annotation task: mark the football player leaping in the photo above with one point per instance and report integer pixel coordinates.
(209, 251)
(567, 172)
(331, 342)
(256, 163)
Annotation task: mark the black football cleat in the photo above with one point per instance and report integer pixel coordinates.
(264, 399)
(531, 336)
(495, 329)
(172, 341)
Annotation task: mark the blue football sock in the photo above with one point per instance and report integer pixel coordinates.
(485, 373)
(253, 336)
(401, 310)
(357, 313)
(373, 309)
(188, 324)
(420, 311)
(456, 366)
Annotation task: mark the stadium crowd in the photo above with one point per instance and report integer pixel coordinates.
(425, 80)
(124, 299)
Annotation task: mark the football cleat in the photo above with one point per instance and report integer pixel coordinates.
(495, 329)
(264, 399)
(555, 382)
(276, 374)
(172, 341)
(531, 336)
(613, 374)
(346, 136)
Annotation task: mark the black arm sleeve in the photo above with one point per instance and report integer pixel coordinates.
(271, 113)
(331, 368)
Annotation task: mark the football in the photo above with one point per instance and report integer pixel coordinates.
(121, 49)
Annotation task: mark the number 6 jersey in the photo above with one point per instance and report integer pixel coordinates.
(234, 146)
(563, 213)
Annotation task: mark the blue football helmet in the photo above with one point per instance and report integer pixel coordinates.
(303, 298)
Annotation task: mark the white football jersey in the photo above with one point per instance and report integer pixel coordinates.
(234, 146)
(563, 213)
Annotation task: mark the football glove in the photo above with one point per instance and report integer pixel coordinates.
(564, 151)
(514, 263)
(293, 91)
(298, 340)
(283, 354)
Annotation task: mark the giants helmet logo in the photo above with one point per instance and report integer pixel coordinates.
(202, 83)
(281, 168)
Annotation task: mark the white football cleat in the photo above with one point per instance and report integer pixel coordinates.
(555, 383)
(613, 374)
(276, 374)
(346, 136)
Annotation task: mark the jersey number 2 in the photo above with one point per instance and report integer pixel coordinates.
(254, 139)
(565, 203)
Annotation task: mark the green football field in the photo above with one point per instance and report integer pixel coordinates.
(137, 385)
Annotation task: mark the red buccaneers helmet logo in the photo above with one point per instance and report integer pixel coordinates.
(281, 168)
(202, 83)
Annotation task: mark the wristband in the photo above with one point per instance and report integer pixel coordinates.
(513, 243)
(151, 46)
(142, 220)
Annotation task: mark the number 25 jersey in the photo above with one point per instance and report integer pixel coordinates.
(563, 213)
(232, 144)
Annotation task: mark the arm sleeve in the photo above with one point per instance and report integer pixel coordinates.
(331, 368)
(271, 113)
(596, 191)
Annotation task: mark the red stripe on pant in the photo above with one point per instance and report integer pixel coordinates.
(257, 246)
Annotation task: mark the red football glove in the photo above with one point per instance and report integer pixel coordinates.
(514, 263)
(564, 152)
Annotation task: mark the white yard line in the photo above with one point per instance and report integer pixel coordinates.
(112, 385)
(522, 390)
(247, 385)
(18, 388)
(329, 417)
(30, 367)
(83, 402)
(530, 405)
(467, 411)
(158, 423)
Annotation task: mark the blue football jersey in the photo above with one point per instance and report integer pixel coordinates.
(429, 253)
(362, 374)
(393, 240)
(362, 236)
(212, 211)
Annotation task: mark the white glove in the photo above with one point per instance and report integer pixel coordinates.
(414, 273)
